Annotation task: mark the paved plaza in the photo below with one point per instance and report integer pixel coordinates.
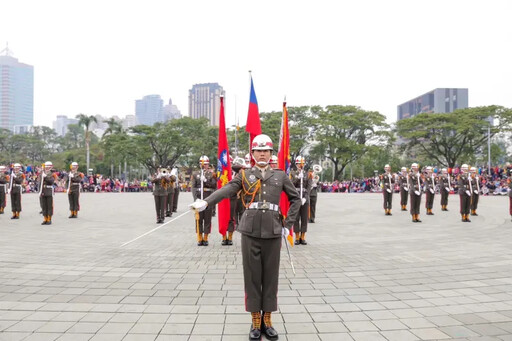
(363, 276)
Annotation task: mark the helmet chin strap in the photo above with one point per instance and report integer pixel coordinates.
(262, 163)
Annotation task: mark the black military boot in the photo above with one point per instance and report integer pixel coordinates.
(224, 240)
(266, 327)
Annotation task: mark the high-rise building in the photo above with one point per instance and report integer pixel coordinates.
(129, 121)
(204, 101)
(170, 112)
(441, 100)
(16, 92)
(60, 125)
(149, 109)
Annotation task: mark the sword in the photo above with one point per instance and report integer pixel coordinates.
(289, 255)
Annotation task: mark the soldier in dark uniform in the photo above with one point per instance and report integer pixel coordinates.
(4, 183)
(234, 203)
(465, 189)
(47, 179)
(203, 184)
(430, 190)
(313, 196)
(160, 183)
(387, 182)
(177, 189)
(302, 183)
(475, 195)
(261, 228)
(415, 186)
(445, 186)
(170, 192)
(509, 181)
(17, 182)
(74, 179)
(404, 188)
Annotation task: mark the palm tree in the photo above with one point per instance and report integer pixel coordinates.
(113, 127)
(86, 121)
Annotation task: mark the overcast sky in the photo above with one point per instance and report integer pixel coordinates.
(98, 57)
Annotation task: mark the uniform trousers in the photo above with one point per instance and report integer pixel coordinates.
(474, 201)
(175, 199)
(301, 223)
(465, 201)
(160, 202)
(403, 197)
(16, 202)
(388, 199)
(170, 202)
(3, 202)
(47, 204)
(312, 207)
(415, 203)
(260, 258)
(73, 201)
(444, 197)
(429, 199)
(233, 219)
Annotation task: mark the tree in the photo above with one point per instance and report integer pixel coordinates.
(113, 127)
(86, 121)
(450, 137)
(345, 133)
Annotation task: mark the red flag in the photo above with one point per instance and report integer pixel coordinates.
(283, 162)
(223, 171)
(253, 125)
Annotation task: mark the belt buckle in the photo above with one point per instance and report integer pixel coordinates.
(264, 206)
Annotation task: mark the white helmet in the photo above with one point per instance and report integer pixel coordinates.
(414, 166)
(17, 165)
(273, 160)
(464, 166)
(74, 164)
(472, 169)
(48, 164)
(204, 160)
(300, 160)
(247, 158)
(403, 169)
(2, 168)
(429, 168)
(444, 170)
(262, 142)
(387, 166)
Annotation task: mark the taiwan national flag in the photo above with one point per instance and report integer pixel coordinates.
(283, 162)
(223, 171)
(253, 125)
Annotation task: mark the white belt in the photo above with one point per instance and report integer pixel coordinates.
(75, 183)
(204, 189)
(263, 206)
(17, 185)
(48, 186)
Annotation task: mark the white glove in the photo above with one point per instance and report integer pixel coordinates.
(199, 205)
(406, 188)
(476, 191)
(285, 232)
(468, 193)
(432, 191)
(389, 191)
(71, 175)
(203, 178)
(417, 192)
(303, 201)
(447, 189)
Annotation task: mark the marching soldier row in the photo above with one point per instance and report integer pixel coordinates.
(412, 184)
(14, 182)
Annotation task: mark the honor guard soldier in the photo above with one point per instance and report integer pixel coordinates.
(415, 186)
(262, 229)
(74, 180)
(4, 182)
(203, 184)
(160, 183)
(430, 190)
(177, 185)
(302, 183)
(509, 181)
(313, 195)
(465, 190)
(475, 195)
(247, 161)
(170, 192)
(445, 187)
(387, 182)
(16, 183)
(234, 204)
(273, 162)
(46, 180)
(404, 188)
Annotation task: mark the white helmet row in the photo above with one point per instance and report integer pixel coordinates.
(273, 160)
(300, 160)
